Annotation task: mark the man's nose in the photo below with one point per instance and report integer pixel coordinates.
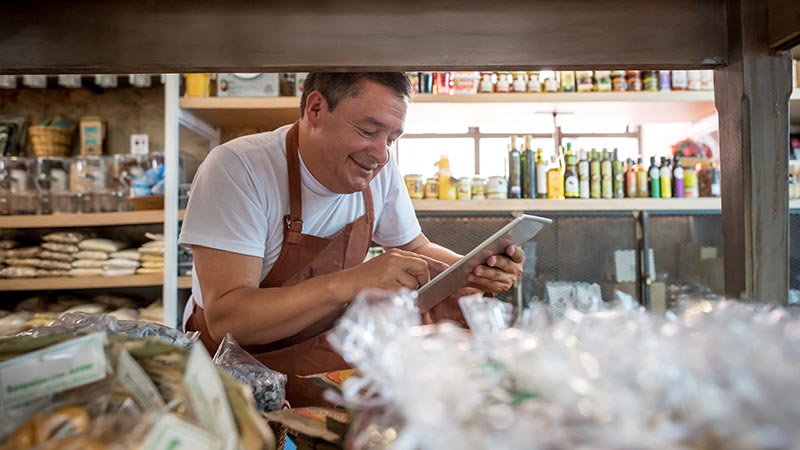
(380, 153)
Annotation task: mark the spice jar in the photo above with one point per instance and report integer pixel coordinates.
(414, 185)
(431, 188)
(478, 188)
(497, 187)
(634, 80)
(464, 190)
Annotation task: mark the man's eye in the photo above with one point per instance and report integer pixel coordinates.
(369, 134)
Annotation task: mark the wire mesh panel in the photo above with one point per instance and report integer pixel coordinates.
(794, 250)
(575, 248)
(687, 255)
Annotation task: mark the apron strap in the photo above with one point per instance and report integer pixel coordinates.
(294, 220)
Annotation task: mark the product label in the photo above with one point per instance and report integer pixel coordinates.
(571, 186)
(541, 179)
(172, 433)
(133, 378)
(53, 369)
(208, 397)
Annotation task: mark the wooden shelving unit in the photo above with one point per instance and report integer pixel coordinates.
(63, 283)
(582, 205)
(634, 107)
(85, 220)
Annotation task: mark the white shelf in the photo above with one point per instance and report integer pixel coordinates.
(85, 220)
(540, 205)
(632, 107)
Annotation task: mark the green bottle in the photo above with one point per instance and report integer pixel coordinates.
(654, 178)
(594, 175)
(607, 176)
(619, 179)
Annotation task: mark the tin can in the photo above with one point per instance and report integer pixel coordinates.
(497, 187)
(432, 188)
(414, 185)
(478, 188)
(464, 188)
(695, 80)
(650, 80)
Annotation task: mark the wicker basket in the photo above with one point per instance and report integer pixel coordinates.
(147, 202)
(51, 141)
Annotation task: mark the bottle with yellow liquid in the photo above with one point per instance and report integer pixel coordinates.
(555, 179)
(447, 185)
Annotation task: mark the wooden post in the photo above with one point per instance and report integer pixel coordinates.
(752, 97)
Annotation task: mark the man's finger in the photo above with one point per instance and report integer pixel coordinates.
(516, 253)
(434, 265)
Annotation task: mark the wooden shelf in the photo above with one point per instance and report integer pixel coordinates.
(634, 107)
(59, 283)
(794, 106)
(185, 282)
(85, 220)
(538, 205)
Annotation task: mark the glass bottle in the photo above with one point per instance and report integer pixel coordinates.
(641, 179)
(654, 178)
(555, 179)
(630, 179)
(584, 185)
(595, 177)
(571, 185)
(619, 179)
(514, 163)
(678, 181)
(541, 175)
(606, 176)
(666, 178)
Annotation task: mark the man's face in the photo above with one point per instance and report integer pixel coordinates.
(354, 139)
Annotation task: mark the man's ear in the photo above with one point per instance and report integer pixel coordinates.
(315, 106)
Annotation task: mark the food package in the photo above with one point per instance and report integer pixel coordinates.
(64, 237)
(268, 386)
(91, 254)
(26, 252)
(61, 248)
(130, 254)
(100, 245)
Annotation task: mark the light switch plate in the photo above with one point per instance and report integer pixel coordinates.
(140, 144)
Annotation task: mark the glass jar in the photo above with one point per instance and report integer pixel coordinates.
(414, 185)
(52, 184)
(16, 186)
(431, 188)
(520, 82)
(88, 182)
(122, 171)
(478, 188)
(634, 80)
(464, 189)
(534, 85)
(497, 188)
(486, 86)
(503, 82)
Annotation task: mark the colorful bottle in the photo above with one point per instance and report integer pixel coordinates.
(690, 185)
(654, 178)
(583, 176)
(630, 179)
(555, 179)
(716, 186)
(595, 178)
(528, 172)
(541, 175)
(666, 178)
(571, 184)
(606, 176)
(447, 185)
(678, 181)
(641, 179)
(619, 178)
(514, 179)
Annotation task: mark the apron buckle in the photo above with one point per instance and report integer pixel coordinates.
(293, 225)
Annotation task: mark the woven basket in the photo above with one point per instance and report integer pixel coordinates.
(51, 141)
(147, 202)
(279, 429)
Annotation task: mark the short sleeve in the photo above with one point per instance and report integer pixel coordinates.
(226, 209)
(398, 224)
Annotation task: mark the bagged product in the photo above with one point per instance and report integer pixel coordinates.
(89, 264)
(268, 386)
(64, 237)
(91, 254)
(100, 245)
(61, 248)
(56, 256)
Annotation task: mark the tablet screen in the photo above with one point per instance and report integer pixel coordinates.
(517, 232)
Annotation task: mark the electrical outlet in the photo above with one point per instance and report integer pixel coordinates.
(140, 144)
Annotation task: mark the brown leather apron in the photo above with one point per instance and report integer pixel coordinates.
(304, 256)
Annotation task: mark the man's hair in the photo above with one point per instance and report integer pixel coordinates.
(335, 86)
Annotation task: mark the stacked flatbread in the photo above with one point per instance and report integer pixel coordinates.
(122, 262)
(152, 254)
(92, 256)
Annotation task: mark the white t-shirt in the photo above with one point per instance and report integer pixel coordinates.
(241, 194)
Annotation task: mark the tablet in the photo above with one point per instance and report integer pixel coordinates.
(517, 232)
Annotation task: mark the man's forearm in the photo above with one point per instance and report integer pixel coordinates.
(260, 316)
(438, 252)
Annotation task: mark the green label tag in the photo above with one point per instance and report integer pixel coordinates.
(133, 378)
(53, 369)
(208, 397)
(171, 433)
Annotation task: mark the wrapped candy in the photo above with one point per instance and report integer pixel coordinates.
(710, 374)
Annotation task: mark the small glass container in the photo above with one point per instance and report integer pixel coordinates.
(464, 190)
(17, 186)
(431, 188)
(52, 180)
(414, 185)
(478, 188)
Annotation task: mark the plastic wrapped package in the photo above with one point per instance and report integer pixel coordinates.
(712, 374)
(268, 386)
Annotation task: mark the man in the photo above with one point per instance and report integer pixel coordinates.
(280, 222)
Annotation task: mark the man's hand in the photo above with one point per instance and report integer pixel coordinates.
(499, 272)
(449, 309)
(392, 271)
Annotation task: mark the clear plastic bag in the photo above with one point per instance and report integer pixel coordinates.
(268, 386)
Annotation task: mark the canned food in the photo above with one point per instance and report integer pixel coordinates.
(464, 188)
(478, 188)
(432, 188)
(497, 187)
(414, 185)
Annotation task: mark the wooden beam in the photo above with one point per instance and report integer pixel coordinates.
(89, 36)
(784, 24)
(752, 97)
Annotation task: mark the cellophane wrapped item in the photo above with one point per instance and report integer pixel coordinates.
(268, 386)
(710, 374)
